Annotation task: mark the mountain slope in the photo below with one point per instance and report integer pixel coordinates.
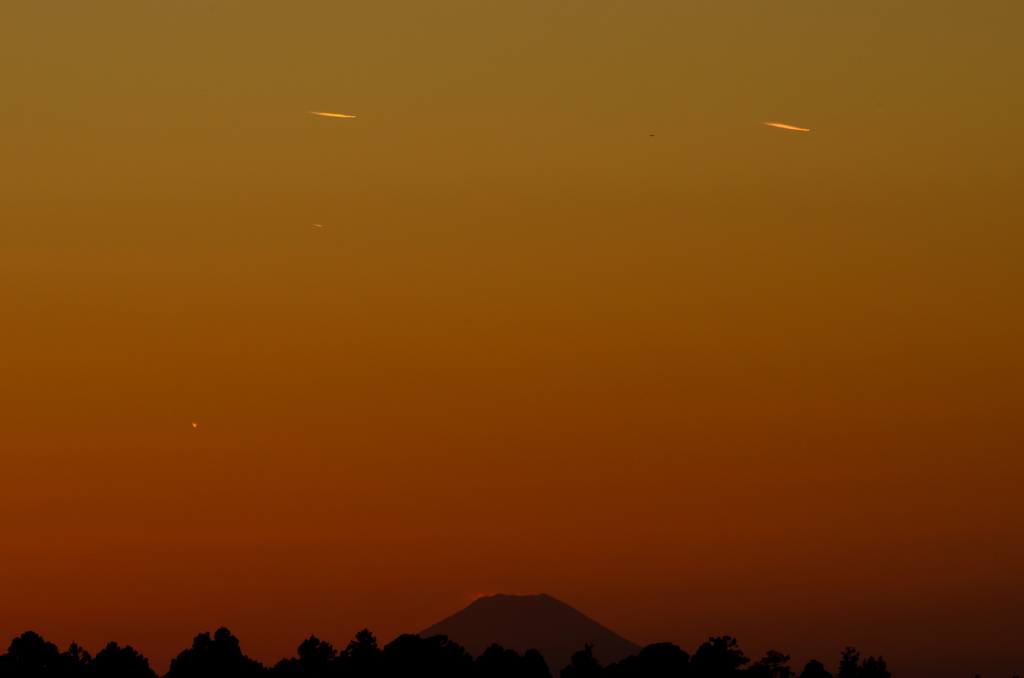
(523, 622)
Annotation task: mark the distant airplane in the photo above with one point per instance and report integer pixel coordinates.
(332, 115)
(781, 126)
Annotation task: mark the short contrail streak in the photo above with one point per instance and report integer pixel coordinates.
(781, 126)
(331, 115)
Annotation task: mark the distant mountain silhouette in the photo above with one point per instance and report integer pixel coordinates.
(540, 622)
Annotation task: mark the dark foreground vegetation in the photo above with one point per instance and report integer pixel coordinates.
(409, 656)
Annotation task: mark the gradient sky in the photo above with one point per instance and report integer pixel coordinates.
(725, 379)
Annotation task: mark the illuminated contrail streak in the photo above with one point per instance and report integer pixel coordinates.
(781, 126)
(332, 115)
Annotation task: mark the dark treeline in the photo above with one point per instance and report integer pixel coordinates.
(220, 656)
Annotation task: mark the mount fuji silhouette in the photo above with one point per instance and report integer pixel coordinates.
(536, 622)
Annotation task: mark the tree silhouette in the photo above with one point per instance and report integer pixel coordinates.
(720, 657)
(664, 660)
(317, 659)
(624, 668)
(534, 666)
(364, 645)
(772, 665)
(363, 655)
(658, 660)
(74, 663)
(220, 656)
(584, 665)
(873, 668)
(29, 656)
(120, 662)
(849, 665)
(409, 655)
(815, 669)
(497, 662)
(217, 657)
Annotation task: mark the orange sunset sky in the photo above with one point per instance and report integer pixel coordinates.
(576, 321)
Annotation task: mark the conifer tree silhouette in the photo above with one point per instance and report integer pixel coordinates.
(772, 665)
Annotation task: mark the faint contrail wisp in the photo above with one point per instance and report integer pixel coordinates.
(781, 126)
(331, 115)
